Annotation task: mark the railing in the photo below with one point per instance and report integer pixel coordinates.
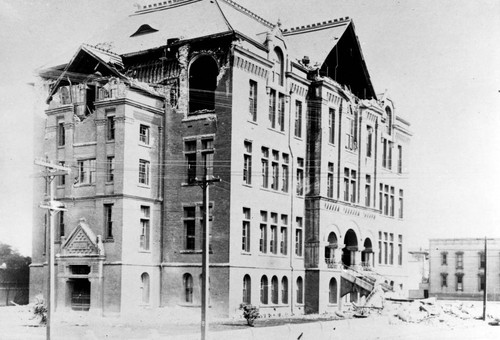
(330, 263)
(366, 266)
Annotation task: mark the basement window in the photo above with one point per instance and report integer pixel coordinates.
(144, 29)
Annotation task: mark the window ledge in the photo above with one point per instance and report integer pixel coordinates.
(108, 240)
(247, 185)
(275, 191)
(110, 183)
(246, 253)
(144, 251)
(84, 185)
(277, 131)
(191, 251)
(110, 141)
(298, 138)
(252, 122)
(144, 145)
(145, 186)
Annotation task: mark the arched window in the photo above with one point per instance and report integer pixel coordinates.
(284, 290)
(188, 288)
(202, 83)
(274, 290)
(247, 289)
(332, 296)
(278, 66)
(300, 290)
(263, 290)
(330, 250)
(145, 288)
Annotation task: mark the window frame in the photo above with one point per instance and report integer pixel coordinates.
(144, 172)
(245, 232)
(145, 222)
(144, 134)
(253, 100)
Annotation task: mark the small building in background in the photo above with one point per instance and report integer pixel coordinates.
(418, 274)
(460, 268)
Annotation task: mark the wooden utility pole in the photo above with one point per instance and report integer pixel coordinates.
(204, 184)
(485, 277)
(53, 206)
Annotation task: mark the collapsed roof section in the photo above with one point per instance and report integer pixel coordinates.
(332, 46)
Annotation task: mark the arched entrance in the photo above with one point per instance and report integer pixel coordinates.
(350, 248)
(366, 254)
(330, 250)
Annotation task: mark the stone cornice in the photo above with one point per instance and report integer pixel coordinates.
(127, 101)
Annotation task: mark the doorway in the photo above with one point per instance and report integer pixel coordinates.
(80, 294)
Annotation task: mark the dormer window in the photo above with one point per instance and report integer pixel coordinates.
(144, 29)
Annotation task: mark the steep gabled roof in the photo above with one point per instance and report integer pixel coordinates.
(315, 40)
(333, 47)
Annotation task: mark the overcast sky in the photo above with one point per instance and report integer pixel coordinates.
(439, 61)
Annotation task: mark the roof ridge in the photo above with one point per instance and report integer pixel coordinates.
(315, 25)
(161, 5)
(248, 12)
(101, 49)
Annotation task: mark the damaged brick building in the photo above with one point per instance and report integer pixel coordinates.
(309, 210)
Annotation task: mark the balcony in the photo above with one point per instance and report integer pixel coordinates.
(332, 264)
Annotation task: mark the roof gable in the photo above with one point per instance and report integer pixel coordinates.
(82, 242)
(333, 47)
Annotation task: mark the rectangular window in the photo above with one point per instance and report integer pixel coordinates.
(110, 127)
(482, 260)
(349, 185)
(108, 221)
(144, 134)
(460, 260)
(386, 200)
(444, 259)
(350, 136)
(253, 101)
(331, 126)
(265, 167)
(444, 280)
(460, 283)
(275, 170)
(189, 228)
(392, 201)
(391, 247)
(274, 233)
(247, 163)
(400, 250)
(389, 155)
(263, 232)
(285, 174)
(61, 224)
(379, 247)
(61, 179)
(245, 232)
(190, 154)
(281, 112)
(110, 169)
(400, 212)
(300, 176)
(86, 171)
(61, 134)
(369, 141)
(329, 181)
(400, 159)
(298, 119)
(143, 172)
(385, 144)
(145, 228)
(482, 282)
(298, 236)
(272, 108)
(368, 191)
(207, 154)
(284, 235)
(386, 248)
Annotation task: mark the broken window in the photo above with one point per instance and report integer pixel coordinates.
(202, 84)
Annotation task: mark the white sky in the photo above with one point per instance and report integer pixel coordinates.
(440, 61)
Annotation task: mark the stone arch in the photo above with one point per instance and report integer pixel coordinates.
(367, 253)
(203, 72)
(350, 248)
(145, 288)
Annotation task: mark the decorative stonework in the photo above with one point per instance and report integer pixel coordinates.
(300, 90)
(250, 67)
(82, 242)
